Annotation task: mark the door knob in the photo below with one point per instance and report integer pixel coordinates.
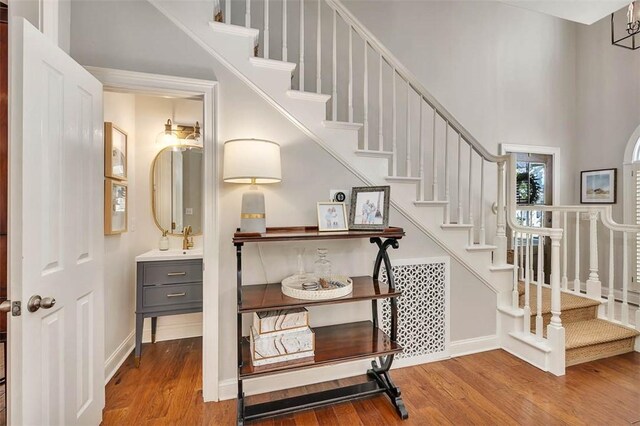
(36, 302)
(5, 306)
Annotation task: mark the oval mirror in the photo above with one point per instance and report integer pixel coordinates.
(176, 187)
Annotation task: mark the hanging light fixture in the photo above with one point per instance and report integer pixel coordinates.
(627, 38)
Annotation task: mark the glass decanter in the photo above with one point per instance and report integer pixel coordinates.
(322, 266)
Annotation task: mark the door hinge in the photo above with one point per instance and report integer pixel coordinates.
(16, 308)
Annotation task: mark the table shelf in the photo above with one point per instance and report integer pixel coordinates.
(334, 344)
(267, 297)
(301, 233)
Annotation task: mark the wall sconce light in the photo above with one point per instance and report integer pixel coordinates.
(180, 135)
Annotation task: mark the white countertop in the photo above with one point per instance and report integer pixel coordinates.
(156, 255)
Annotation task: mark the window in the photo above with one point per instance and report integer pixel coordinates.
(530, 190)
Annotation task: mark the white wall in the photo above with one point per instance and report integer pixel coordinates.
(150, 115)
(119, 270)
(102, 35)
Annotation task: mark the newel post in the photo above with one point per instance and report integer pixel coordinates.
(501, 226)
(594, 286)
(555, 330)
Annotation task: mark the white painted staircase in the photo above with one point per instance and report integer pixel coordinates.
(442, 179)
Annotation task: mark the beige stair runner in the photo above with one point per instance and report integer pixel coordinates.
(587, 338)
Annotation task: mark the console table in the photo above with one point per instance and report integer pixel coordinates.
(333, 344)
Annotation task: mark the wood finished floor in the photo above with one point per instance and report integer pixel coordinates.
(489, 388)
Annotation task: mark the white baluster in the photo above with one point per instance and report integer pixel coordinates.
(265, 40)
(408, 162)
(565, 280)
(350, 101)
(611, 300)
(334, 97)
(500, 253)
(483, 239)
(594, 287)
(539, 283)
(421, 152)
(527, 283)
(301, 72)
(394, 125)
(435, 158)
(284, 31)
(366, 94)
(319, 50)
(380, 107)
(227, 12)
(460, 216)
(625, 280)
(471, 230)
(516, 271)
(247, 14)
(447, 195)
(522, 266)
(576, 280)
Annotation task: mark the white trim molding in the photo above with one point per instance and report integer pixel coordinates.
(118, 357)
(474, 345)
(137, 82)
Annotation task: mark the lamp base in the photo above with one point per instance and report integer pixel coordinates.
(252, 216)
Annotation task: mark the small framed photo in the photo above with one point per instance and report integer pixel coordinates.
(332, 217)
(115, 152)
(369, 208)
(115, 207)
(598, 186)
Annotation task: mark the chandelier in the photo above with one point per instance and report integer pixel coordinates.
(627, 38)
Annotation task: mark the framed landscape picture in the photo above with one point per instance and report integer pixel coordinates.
(369, 208)
(115, 152)
(598, 186)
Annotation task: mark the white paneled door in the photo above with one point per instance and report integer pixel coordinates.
(56, 350)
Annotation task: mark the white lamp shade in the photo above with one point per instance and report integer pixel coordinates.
(246, 160)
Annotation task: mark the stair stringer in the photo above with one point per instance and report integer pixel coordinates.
(272, 81)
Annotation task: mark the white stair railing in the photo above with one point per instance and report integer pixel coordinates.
(602, 231)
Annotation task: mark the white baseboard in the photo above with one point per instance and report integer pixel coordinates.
(474, 345)
(173, 331)
(117, 358)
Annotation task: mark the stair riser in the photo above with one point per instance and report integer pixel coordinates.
(600, 351)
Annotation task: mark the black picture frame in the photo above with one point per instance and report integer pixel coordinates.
(585, 198)
(377, 213)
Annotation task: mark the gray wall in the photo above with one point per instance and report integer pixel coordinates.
(134, 36)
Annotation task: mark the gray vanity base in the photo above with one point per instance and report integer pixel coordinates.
(171, 287)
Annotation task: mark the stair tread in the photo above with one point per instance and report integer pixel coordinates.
(595, 331)
(567, 301)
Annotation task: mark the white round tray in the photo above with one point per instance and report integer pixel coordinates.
(292, 287)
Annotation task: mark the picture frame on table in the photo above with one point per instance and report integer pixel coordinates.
(332, 216)
(598, 186)
(369, 208)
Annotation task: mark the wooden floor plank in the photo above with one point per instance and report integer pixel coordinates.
(488, 388)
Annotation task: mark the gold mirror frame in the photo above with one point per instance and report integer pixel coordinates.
(153, 190)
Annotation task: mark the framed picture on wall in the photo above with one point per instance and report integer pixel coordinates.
(115, 206)
(598, 186)
(369, 207)
(115, 152)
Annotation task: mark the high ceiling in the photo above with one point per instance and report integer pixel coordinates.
(582, 11)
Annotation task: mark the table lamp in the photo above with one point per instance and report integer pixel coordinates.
(252, 161)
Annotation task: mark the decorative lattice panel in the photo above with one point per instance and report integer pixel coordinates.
(422, 308)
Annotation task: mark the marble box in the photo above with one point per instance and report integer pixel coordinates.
(280, 321)
(279, 347)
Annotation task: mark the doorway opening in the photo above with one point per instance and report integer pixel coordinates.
(154, 225)
(4, 144)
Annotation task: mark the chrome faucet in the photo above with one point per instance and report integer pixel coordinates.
(187, 239)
